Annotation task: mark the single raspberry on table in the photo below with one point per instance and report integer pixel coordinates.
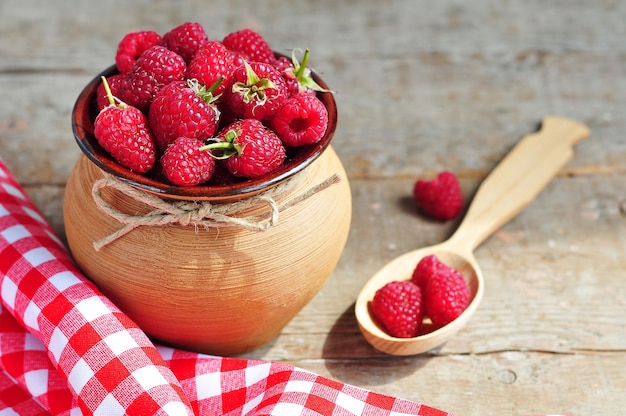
(301, 120)
(155, 68)
(132, 46)
(446, 296)
(397, 306)
(212, 62)
(256, 90)
(250, 43)
(248, 149)
(123, 131)
(182, 109)
(440, 197)
(185, 39)
(183, 162)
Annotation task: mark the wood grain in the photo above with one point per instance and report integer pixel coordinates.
(420, 86)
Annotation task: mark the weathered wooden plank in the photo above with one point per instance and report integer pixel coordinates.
(421, 86)
(505, 383)
(49, 35)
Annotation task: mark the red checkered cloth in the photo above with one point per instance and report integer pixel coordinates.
(66, 349)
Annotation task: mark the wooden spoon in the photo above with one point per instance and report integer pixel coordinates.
(510, 187)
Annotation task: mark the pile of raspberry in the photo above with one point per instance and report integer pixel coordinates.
(185, 108)
(435, 290)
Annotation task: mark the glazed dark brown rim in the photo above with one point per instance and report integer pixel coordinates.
(85, 111)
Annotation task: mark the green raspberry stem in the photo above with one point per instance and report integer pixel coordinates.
(108, 90)
(204, 93)
(301, 67)
(227, 148)
(303, 74)
(114, 101)
(217, 145)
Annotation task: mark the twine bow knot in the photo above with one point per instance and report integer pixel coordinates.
(197, 213)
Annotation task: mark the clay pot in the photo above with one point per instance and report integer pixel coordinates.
(221, 290)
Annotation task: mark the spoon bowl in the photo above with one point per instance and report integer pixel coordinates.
(401, 268)
(508, 189)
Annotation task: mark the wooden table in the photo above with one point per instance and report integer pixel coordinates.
(421, 86)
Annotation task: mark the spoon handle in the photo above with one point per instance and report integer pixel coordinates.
(519, 178)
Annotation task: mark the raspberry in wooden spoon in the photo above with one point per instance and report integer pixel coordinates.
(397, 306)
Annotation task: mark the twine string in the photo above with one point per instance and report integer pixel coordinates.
(196, 213)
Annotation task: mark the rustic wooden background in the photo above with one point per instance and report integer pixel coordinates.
(421, 86)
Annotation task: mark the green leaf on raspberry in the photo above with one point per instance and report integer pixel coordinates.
(254, 87)
(303, 74)
(203, 92)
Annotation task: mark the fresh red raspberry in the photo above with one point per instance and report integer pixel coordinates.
(441, 197)
(210, 63)
(185, 39)
(132, 46)
(446, 296)
(301, 120)
(123, 131)
(155, 68)
(397, 306)
(427, 267)
(256, 90)
(185, 164)
(115, 84)
(182, 109)
(251, 44)
(248, 148)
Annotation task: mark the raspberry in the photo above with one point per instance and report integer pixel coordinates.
(428, 266)
(251, 44)
(301, 120)
(185, 39)
(397, 306)
(157, 67)
(185, 164)
(446, 296)
(441, 197)
(210, 63)
(249, 149)
(256, 90)
(182, 109)
(132, 46)
(122, 130)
